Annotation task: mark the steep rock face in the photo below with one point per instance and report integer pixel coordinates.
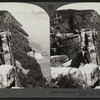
(7, 75)
(90, 73)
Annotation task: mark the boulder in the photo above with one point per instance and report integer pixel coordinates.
(66, 64)
(90, 73)
(7, 75)
(58, 60)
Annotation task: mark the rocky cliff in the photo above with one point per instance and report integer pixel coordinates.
(66, 26)
(71, 20)
(19, 49)
(70, 31)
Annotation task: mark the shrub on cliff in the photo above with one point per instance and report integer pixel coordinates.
(58, 60)
(34, 79)
(20, 47)
(68, 82)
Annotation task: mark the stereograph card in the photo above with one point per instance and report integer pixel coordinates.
(50, 49)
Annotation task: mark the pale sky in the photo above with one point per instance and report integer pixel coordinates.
(34, 20)
(82, 6)
(20, 7)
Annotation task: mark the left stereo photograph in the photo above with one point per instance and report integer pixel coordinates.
(24, 46)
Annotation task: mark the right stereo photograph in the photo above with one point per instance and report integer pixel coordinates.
(75, 46)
